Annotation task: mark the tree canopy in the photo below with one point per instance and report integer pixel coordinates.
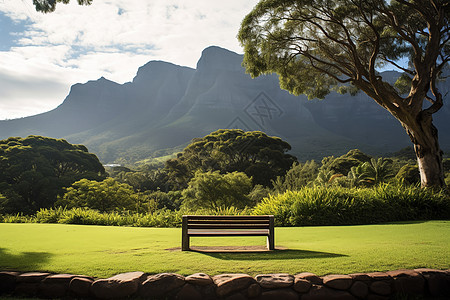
(227, 150)
(47, 6)
(317, 46)
(34, 170)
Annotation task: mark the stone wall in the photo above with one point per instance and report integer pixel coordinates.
(404, 284)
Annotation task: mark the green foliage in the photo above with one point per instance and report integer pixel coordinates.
(47, 6)
(319, 46)
(408, 174)
(228, 150)
(297, 177)
(212, 190)
(378, 170)
(344, 163)
(35, 170)
(105, 196)
(86, 216)
(343, 206)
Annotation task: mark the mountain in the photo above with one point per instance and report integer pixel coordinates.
(165, 106)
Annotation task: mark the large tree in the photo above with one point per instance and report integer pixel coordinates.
(47, 6)
(317, 46)
(258, 155)
(34, 171)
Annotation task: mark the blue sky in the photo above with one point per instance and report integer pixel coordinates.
(42, 55)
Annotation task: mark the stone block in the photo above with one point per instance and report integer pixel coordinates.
(26, 289)
(319, 292)
(278, 294)
(302, 285)
(8, 282)
(254, 290)
(275, 281)
(189, 292)
(381, 288)
(379, 276)
(119, 286)
(311, 277)
(237, 296)
(199, 279)
(339, 282)
(408, 282)
(227, 284)
(32, 277)
(359, 289)
(361, 277)
(81, 286)
(161, 284)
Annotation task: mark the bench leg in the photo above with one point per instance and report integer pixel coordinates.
(184, 236)
(271, 236)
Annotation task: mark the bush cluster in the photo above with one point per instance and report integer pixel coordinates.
(315, 205)
(319, 205)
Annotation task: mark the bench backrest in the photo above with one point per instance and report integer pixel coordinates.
(228, 222)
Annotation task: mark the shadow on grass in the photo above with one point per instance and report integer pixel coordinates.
(278, 254)
(25, 261)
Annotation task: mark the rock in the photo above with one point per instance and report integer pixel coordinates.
(81, 286)
(313, 278)
(55, 286)
(8, 281)
(379, 276)
(227, 284)
(189, 292)
(319, 292)
(377, 297)
(359, 289)
(199, 279)
(26, 289)
(119, 286)
(427, 271)
(161, 284)
(237, 296)
(408, 282)
(275, 281)
(254, 290)
(33, 277)
(380, 288)
(302, 285)
(284, 294)
(339, 282)
(52, 290)
(437, 282)
(360, 277)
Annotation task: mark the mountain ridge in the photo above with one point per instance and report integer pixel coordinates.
(166, 105)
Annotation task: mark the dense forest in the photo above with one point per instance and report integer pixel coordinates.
(229, 171)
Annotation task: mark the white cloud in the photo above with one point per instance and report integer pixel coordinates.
(110, 38)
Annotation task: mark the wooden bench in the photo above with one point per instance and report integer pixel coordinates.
(227, 226)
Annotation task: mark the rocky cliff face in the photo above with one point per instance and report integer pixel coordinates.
(166, 105)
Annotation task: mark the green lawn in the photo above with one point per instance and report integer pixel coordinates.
(105, 251)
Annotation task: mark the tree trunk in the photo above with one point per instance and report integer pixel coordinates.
(428, 152)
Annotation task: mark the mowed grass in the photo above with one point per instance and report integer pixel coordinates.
(105, 251)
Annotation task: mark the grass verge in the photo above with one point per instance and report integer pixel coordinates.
(105, 251)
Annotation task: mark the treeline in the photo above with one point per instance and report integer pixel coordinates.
(227, 172)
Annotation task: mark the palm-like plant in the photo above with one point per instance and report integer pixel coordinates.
(378, 170)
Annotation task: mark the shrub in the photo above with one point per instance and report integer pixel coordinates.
(344, 206)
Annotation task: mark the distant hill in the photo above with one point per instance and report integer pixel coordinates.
(165, 106)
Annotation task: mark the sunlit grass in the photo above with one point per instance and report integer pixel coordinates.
(104, 251)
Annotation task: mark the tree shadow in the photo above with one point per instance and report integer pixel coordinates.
(277, 254)
(25, 261)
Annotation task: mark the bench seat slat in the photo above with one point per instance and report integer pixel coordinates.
(228, 226)
(228, 218)
(229, 221)
(201, 232)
